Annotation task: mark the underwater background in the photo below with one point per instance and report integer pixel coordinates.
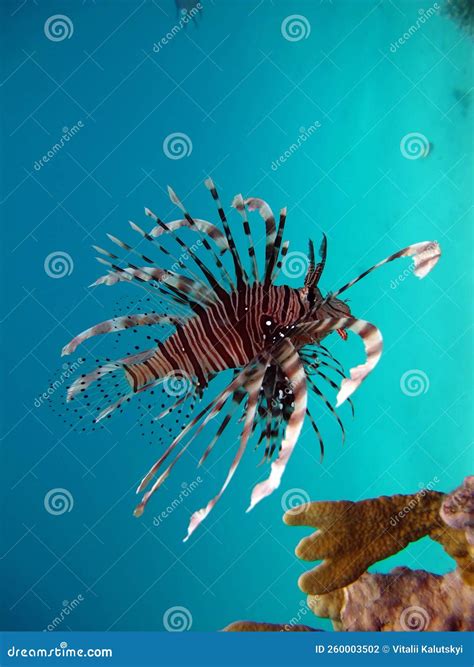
(242, 86)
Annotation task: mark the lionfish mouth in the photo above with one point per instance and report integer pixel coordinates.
(233, 317)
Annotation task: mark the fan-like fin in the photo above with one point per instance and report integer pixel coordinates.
(319, 393)
(373, 343)
(222, 270)
(218, 289)
(279, 264)
(276, 247)
(168, 277)
(255, 204)
(118, 324)
(240, 273)
(252, 386)
(318, 433)
(287, 357)
(189, 291)
(315, 270)
(238, 203)
(198, 225)
(212, 409)
(86, 379)
(237, 399)
(425, 257)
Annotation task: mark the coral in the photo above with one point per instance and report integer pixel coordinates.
(461, 11)
(253, 626)
(352, 536)
(403, 599)
(457, 510)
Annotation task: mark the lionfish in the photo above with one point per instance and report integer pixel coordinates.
(270, 336)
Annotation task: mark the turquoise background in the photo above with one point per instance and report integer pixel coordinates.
(241, 92)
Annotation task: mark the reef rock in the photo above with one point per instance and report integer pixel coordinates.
(253, 626)
(404, 599)
(352, 536)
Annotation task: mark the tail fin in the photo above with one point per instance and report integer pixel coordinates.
(109, 385)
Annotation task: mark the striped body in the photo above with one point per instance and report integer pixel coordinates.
(228, 334)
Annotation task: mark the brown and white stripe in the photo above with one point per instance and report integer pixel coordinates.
(425, 257)
(287, 357)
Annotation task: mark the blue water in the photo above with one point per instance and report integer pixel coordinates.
(242, 93)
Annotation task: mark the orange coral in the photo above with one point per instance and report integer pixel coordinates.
(352, 536)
